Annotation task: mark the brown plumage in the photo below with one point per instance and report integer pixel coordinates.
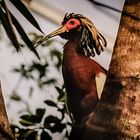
(79, 70)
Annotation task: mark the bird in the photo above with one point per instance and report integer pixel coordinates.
(83, 77)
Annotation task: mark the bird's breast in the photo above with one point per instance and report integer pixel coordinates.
(79, 79)
(77, 76)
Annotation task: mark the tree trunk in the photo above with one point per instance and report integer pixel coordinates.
(5, 130)
(117, 116)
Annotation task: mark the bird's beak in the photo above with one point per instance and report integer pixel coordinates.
(58, 31)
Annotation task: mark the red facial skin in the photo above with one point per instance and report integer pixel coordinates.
(72, 23)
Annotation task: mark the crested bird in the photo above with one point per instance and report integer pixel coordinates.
(81, 73)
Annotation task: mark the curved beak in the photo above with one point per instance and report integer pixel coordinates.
(59, 31)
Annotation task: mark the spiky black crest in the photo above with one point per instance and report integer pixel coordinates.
(71, 15)
(91, 40)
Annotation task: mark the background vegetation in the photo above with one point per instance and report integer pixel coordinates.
(42, 124)
(38, 124)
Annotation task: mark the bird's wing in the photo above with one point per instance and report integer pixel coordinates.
(100, 81)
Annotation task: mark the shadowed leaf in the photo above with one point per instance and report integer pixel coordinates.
(15, 97)
(32, 119)
(25, 12)
(23, 35)
(50, 103)
(8, 28)
(61, 92)
(26, 123)
(54, 124)
(32, 135)
(58, 127)
(56, 54)
(50, 120)
(50, 81)
(41, 68)
(45, 136)
(40, 113)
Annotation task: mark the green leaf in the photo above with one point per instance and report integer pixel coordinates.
(31, 89)
(33, 119)
(15, 97)
(41, 68)
(50, 81)
(26, 123)
(45, 136)
(25, 12)
(27, 134)
(50, 120)
(8, 28)
(23, 35)
(61, 92)
(40, 113)
(58, 127)
(24, 71)
(62, 97)
(50, 103)
(32, 135)
(54, 124)
(56, 54)
(27, 117)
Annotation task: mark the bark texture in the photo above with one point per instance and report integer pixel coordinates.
(117, 116)
(5, 130)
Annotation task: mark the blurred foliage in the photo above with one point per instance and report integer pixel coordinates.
(8, 20)
(40, 125)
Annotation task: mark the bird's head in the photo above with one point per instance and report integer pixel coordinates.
(74, 25)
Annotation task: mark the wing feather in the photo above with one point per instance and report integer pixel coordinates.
(100, 81)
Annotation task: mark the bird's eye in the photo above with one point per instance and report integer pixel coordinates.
(72, 22)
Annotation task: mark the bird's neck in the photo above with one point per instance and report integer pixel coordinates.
(71, 49)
